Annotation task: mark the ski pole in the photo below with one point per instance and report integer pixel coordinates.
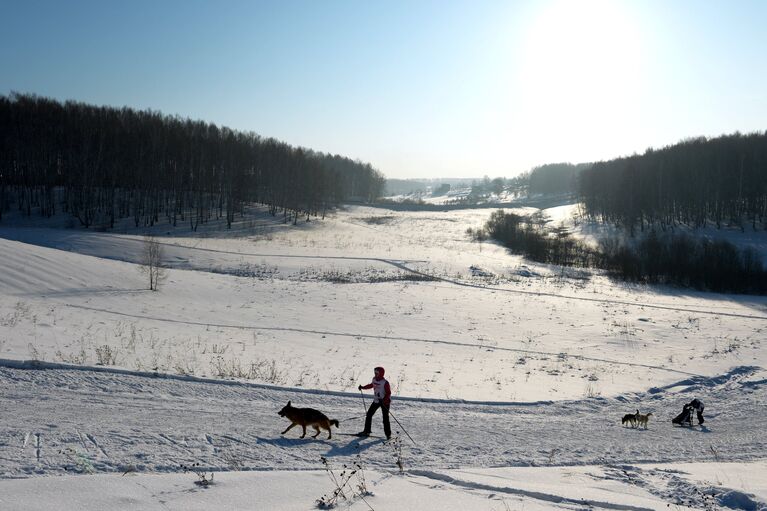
(403, 429)
(351, 418)
(364, 404)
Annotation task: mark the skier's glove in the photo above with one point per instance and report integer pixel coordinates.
(359, 387)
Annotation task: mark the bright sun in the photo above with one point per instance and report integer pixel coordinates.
(581, 72)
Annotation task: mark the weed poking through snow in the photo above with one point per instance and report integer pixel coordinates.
(81, 462)
(106, 355)
(204, 478)
(349, 484)
(396, 445)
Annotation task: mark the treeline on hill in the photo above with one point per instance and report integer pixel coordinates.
(555, 178)
(721, 180)
(101, 163)
(475, 187)
(481, 189)
(656, 258)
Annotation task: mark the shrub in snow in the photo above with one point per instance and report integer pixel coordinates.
(396, 445)
(349, 484)
(106, 355)
(204, 478)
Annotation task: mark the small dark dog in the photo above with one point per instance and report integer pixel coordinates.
(631, 419)
(307, 417)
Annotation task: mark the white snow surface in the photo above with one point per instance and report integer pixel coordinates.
(510, 377)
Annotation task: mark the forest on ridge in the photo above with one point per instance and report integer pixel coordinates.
(100, 164)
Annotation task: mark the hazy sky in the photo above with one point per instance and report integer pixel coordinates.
(417, 88)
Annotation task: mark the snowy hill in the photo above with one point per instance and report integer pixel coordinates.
(499, 368)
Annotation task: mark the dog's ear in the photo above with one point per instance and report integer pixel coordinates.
(288, 404)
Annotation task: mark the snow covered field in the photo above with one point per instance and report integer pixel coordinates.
(499, 368)
(676, 487)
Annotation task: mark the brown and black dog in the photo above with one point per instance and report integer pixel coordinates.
(307, 417)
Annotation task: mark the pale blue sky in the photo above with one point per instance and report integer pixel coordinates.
(417, 88)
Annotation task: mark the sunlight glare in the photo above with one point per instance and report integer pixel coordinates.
(582, 75)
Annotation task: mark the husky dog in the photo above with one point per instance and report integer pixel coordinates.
(642, 419)
(631, 419)
(307, 417)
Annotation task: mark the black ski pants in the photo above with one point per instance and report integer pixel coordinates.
(699, 412)
(369, 417)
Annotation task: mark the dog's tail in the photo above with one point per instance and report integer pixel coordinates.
(334, 423)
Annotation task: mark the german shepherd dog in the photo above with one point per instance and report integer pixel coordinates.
(307, 417)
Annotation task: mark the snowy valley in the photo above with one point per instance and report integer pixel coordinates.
(510, 377)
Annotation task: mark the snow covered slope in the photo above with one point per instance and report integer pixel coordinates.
(510, 377)
(156, 424)
(626, 488)
(59, 421)
(318, 307)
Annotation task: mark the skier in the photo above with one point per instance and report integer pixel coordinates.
(381, 399)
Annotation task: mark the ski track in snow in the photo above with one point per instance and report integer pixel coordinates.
(372, 336)
(537, 495)
(157, 424)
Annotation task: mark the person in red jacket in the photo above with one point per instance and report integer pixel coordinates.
(381, 399)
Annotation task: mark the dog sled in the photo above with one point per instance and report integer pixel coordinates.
(686, 417)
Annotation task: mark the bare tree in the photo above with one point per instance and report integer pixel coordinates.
(151, 263)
